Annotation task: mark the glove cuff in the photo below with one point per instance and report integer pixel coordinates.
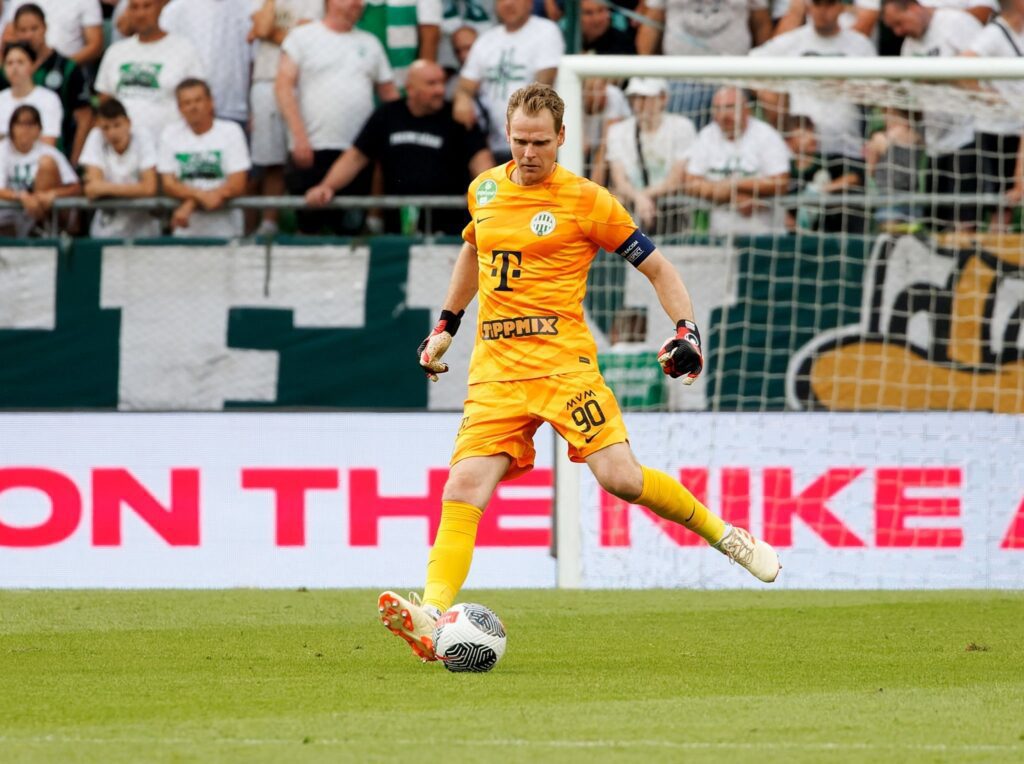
(687, 327)
(449, 321)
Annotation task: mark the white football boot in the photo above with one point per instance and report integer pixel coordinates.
(753, 554)
(410, 620)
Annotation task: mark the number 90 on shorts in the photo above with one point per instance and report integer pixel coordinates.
(502, 417)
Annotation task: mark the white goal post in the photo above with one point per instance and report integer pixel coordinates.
(575, 69)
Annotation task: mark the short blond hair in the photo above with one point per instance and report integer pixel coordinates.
(533, 99)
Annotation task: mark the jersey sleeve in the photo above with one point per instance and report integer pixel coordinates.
(607, 223)
(469, 232)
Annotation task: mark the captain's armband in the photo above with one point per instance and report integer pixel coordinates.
(636, 248)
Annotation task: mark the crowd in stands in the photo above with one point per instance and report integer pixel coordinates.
(204, 101)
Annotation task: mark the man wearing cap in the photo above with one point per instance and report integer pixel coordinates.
(736, 162)
(646, 152)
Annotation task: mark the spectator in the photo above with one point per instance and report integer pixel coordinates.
(952, 157)
(32, 173)
(335, 70)
(866, 13)
(1000, 138)
(120, 163)
(61, 75)
(203, 161)
(597, 32)
(647, 152)
(19, 59)
(814, 174)
(406, 29)
(143, 71)
(218, 30)
(894, 156)
(477, 15)
(271, 23)
(736, 162)
(702, 28)
(524, 48)
(604, 105)
(461, 42)
(839, 124)
(421, 148)
(74, 29)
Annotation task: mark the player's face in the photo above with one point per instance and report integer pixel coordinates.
(196, 107)
(31, 29)
(534, 144)
(117, 132)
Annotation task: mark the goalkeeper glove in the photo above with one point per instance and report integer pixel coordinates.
(437, 342)
(682, 354)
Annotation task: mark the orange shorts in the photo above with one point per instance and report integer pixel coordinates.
(502, 417)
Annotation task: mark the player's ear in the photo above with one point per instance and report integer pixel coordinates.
(561, 134)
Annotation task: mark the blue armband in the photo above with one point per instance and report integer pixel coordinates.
(636, 248)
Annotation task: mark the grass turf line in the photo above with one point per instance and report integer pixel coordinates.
(245, 675)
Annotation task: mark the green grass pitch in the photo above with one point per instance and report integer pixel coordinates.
(589, 676)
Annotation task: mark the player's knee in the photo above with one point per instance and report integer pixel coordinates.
(623, 483)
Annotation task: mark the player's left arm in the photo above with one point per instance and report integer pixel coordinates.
(681, 355)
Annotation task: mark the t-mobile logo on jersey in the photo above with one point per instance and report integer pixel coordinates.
(506, 270)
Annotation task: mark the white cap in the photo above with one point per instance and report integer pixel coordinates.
(646, 86)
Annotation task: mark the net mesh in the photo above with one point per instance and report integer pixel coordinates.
(855, 257)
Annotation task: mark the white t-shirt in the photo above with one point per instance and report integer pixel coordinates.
(287, 14)
(121, 168)
(337, 75)
(992, 42)
(217, 29)
(18, 171)
(707, 27)
(949, 34)
(664, 147)
(760, 152)
(838, 122)
(65, 20)
(205, 162)
(45, 100)
(959, 5)
(503, 61)
(143, 77)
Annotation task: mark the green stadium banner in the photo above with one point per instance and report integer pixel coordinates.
(173, 325)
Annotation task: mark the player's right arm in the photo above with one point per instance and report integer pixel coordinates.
(461, 289)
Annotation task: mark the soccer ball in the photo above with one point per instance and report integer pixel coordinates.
(469, 637)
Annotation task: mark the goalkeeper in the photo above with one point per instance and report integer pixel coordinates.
(535, 229)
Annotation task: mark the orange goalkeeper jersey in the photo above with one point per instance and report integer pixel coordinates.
(534, 248)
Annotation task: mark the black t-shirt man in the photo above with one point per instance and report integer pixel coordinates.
(421, 156)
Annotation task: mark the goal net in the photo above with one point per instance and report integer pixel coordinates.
(850, 233)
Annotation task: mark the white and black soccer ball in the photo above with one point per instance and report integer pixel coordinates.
(469, 637)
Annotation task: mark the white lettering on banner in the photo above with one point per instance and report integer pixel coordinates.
(166, 366)
(430, 268)
(28, 287)
(710, 275)
(230, 499)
